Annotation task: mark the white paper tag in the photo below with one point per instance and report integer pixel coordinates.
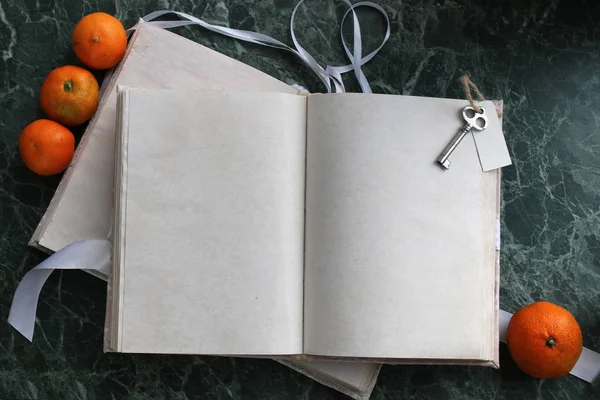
(490, 143)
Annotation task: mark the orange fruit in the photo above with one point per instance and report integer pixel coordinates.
(99, 40)
(69, 95)
(544, 340)
(46, 147)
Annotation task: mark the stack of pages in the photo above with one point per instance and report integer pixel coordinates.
(251, 221)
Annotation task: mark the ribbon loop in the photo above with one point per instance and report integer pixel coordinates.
(356, 57)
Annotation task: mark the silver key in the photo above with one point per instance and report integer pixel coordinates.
(473, 120)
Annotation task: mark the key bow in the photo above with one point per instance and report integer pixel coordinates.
(477, 120)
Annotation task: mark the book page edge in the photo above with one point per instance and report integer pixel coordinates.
(116, 298)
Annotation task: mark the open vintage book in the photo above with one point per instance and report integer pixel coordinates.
(272, 225)
(82, 205)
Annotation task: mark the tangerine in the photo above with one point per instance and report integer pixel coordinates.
(99, 40)
(46, 147)
(544, 339)
(69, 95)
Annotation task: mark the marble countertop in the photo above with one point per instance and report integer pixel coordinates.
(541, 57)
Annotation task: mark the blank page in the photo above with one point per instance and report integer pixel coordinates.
(210, 223)
(400, 254)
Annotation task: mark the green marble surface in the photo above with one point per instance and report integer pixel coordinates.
(542, 57)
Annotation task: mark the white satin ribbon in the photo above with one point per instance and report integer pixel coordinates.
(86, 254)
(327, 75)
(587, 366)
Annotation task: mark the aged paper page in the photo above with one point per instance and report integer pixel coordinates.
(399, 252)
(211, 210)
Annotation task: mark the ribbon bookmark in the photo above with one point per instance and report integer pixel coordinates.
(87, 254)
